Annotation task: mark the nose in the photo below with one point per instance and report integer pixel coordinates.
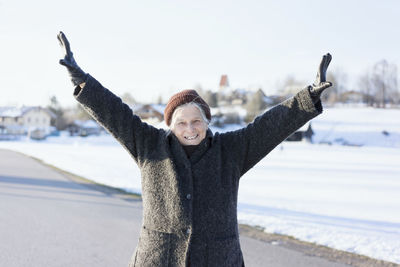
(191, 127)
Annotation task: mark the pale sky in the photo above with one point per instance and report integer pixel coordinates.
(158, 47)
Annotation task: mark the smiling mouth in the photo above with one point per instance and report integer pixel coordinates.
(191, 137)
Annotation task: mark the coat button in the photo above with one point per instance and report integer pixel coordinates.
(189, 196)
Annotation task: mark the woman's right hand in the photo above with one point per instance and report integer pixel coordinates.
(78, 76)
(320, 83)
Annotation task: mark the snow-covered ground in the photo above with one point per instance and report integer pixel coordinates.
(346, 197)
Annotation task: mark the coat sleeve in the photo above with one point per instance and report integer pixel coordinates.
(137, 137)
(249, 145)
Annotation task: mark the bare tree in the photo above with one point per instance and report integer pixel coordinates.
(255, 105)
(79, 113)
(128, 99)
(60, 121)
(210, 98)
(384, 81)
(290, 86)
(366, 88)
(338, 78)
(159, 99)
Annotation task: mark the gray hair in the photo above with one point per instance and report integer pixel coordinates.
(203, 115)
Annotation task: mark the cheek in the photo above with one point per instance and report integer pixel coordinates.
(202, 129)
(178, 128)
(176, 131)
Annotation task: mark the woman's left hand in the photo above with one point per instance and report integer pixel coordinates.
(320, 83)
(78, 76)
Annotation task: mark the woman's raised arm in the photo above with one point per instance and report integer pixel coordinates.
(108, 109)
(268, 130)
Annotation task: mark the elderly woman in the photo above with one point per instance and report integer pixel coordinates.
(190, 176)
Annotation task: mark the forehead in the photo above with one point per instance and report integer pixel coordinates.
(187, 113)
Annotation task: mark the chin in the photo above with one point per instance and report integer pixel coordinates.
(194, 143)
(191, 142)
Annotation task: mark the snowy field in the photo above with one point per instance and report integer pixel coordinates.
(343, 196)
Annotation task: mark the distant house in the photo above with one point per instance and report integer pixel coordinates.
(352, 97)
(84, 128)
(223, 115)
(31, 121)
(304, 133)
(2, 130)
(239, 97)
(152, 114)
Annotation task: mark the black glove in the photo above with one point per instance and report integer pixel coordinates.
(78, 76)
(320, 83)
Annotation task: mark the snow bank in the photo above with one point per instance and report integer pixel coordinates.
(346, 197)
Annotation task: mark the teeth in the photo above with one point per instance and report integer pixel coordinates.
(191, 137)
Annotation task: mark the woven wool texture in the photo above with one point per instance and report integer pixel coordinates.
(189, 204)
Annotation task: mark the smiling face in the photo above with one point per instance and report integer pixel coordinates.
(188, 125)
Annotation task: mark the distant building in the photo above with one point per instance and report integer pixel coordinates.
(239, 97)
(84, 128)
(150, 113)
(304, 133)
(2, 130)
(31, 121)
(352, 97)
(224, 83)
(225, 92)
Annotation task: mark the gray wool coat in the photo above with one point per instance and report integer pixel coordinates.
(189, 204)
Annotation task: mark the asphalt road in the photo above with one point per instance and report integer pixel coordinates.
(49, 220)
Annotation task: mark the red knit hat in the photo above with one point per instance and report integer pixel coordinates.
(181, 98)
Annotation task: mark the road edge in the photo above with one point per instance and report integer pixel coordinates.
(255, 232)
